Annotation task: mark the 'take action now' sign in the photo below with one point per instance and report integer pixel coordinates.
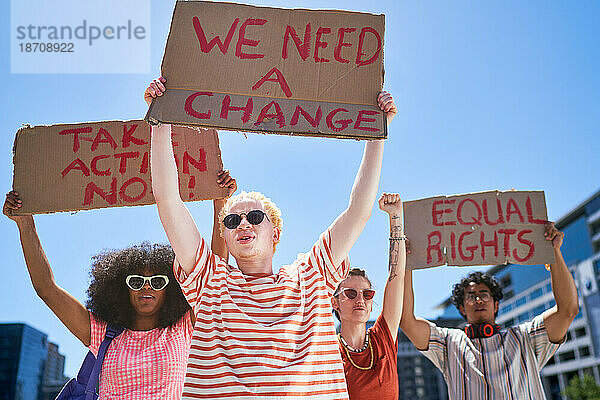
(296, 72)
(70, 167)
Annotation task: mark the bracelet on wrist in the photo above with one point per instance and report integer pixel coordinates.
(398, 238)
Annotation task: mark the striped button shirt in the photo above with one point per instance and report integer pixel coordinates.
(505, 366)
(267, 337)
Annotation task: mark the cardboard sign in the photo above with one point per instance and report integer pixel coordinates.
(296, 72)
(106, 164)
(485, 228)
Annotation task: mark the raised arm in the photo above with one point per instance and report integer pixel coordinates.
(176, 219)
(350, 223)
(559, 318)
(217, 243)
(394, 287)
(66, 307)
(417, 329)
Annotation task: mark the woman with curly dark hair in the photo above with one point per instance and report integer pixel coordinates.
(111, 269)
(135, 289)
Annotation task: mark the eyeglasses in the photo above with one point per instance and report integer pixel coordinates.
(254, 217)
(137, 282)
(350, 293)
(471, 298)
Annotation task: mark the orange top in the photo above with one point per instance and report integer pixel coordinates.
(380, 382)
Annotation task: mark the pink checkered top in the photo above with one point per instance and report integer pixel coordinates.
(141, 365)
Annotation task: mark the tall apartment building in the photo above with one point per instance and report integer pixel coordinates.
(23, 353)
(418, 378)
(54, 378)
(30, 367)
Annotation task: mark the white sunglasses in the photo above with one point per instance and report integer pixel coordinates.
(137, 282)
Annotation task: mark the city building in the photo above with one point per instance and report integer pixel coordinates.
(54, 378)
(23, 353)
(417, 376)
(528, 292)
(30, 367)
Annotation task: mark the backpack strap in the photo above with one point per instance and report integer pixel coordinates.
(111, 333)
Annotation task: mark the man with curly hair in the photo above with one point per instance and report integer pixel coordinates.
(486, 362)
(259, 334)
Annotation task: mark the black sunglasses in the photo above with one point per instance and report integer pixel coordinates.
(254, 217)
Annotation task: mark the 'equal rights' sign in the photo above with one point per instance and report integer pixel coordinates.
(485, 228)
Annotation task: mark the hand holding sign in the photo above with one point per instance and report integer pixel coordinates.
(225, 180)
(554, 235)
(12, 205)
(155, 89)
(387, 105)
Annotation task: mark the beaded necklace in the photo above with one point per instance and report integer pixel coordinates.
(348, 348)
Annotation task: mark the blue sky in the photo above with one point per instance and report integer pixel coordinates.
(491, 95)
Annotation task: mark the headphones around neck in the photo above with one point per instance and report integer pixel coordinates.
(475, 331)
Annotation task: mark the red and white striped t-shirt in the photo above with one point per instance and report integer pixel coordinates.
(264, 337)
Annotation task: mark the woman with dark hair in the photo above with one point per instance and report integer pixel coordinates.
(369, 355)
(135, 289)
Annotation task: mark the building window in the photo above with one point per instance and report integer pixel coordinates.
(536, 293)
(584, 352)
(595, 228)
(523, 317)
(520, 301)
(539, 309)
(579, 332)
(567, 356)
(570, 375)
(509, 322)
(554, 386)
(551, 361)
(506, 308)
(597, 266)
(569, 336)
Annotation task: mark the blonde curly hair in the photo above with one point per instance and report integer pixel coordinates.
(272, 211)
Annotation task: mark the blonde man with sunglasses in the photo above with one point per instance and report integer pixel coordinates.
(369, 355)
(259, 334)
